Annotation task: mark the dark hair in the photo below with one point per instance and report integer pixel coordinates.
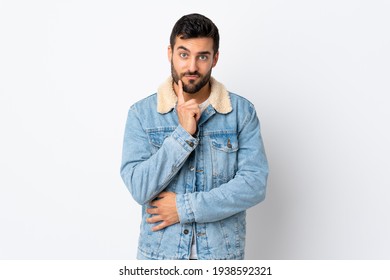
(195, 26)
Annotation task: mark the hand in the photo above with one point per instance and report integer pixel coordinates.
(164, 211)
(188, 112)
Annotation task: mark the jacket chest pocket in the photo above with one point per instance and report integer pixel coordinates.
(224, 149)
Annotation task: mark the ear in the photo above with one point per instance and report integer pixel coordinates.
(170, 53)
(215, 59)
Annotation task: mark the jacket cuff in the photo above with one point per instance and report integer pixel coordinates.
(185, 139)
(184, 209)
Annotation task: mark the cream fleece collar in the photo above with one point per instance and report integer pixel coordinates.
(219, 97)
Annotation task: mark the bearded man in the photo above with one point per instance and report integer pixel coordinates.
(193, 155)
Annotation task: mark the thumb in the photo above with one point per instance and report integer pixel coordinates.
(180, 96)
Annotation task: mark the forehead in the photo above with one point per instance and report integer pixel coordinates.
(203, 44)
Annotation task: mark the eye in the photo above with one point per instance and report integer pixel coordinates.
(203, 57)
(183, 55)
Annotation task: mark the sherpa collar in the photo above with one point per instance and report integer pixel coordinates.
(219, 97)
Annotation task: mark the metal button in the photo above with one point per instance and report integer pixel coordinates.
(191, 144)
(186, 231)
(229, 144)
(192, 168)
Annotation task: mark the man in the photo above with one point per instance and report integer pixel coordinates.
(193, 155)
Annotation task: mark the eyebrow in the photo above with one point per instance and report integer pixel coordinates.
(199, 53)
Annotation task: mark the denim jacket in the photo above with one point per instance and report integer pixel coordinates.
(216, 174)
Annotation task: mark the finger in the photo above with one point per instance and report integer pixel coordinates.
(162, 194)
(154, 202)
(164, 224)
(152, 211)
(190, 107)
(197, 114)
(154, 219)
(180, 96)
(195, 111)
(160, 226)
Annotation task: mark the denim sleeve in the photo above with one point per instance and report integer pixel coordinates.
(145, 173)
(246, 189)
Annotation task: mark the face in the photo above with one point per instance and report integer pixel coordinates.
(192, 61)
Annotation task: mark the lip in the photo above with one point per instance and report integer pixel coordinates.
(191, 76)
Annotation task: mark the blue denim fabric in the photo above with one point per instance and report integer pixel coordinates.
(217, 174)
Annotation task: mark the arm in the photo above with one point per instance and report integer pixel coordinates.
(146, 174)
(245, 190)
(164, 209)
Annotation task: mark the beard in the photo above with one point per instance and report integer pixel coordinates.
(192, 87)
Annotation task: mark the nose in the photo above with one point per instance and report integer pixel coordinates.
(193, 65)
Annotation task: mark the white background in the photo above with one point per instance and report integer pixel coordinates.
(317, 71)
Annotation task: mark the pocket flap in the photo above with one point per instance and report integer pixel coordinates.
(225, 142)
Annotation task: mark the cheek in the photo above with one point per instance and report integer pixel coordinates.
(206, 67)
(179, 64)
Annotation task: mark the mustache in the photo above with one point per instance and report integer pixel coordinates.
(188, 73)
